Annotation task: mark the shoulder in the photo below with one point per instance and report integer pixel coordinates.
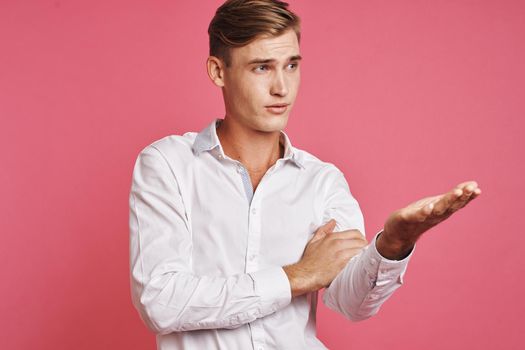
(173, 145)
(325, 177)
(175, 150)
(317, 166)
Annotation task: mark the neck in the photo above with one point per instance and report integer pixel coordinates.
(256, 150)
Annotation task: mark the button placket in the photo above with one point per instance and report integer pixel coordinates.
(254, 238)
(252, 262)
(257, 334)
(246, 181)
(254, 223)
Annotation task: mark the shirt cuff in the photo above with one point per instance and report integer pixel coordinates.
(381, 269)
(376, 252)
(273, 287)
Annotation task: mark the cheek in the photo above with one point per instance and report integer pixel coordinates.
(248, 92)
(296, 81)
(255, 91)
(293, 89)
(239, 94)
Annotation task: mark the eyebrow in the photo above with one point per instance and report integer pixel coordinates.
(272, 60)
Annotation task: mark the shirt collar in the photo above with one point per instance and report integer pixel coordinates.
(207, 140)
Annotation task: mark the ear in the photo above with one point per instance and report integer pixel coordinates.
(215, 67)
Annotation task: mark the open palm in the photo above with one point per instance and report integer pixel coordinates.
(406, 225)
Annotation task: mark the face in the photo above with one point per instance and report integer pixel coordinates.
(261, 83)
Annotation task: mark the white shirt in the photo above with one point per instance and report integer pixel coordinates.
(206, 253)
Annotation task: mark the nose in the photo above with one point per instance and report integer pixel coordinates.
(279, 85)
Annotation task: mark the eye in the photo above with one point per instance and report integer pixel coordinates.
(261, 68)
(292, 66)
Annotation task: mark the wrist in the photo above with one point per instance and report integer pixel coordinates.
(301, 281)
(393, 248)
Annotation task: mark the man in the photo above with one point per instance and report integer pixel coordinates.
(233, 230)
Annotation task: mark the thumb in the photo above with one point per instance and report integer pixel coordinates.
(323, 230)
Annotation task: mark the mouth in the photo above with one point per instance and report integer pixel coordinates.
(278, 108)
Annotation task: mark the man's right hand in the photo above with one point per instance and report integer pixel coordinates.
(325, 255)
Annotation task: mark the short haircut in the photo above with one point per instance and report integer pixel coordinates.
(238, 22)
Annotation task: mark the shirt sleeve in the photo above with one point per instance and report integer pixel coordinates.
(368, 279)
(168, 296)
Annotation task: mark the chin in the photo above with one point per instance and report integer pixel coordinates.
(273, 123)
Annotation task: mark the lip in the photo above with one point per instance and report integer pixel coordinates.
(278, 108)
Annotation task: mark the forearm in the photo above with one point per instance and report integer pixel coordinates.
(180, 301)
(393, 249)
(365, 283)
(166, 292)
(301, 280)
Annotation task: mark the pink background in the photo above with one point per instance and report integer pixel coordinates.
(408, 98)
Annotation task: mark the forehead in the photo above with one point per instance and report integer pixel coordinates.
(268, 47)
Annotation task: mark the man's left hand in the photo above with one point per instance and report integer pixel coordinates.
(404, 226)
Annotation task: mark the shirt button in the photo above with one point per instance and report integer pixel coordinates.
(254, 211)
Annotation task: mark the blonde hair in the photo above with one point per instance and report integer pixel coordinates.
(238, 22)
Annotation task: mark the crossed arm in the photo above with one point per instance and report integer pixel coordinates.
(169, 296)
(401, 231)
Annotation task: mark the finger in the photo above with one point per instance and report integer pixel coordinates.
(350, 243)
(423, 202)
(329, 226)
(348, 254)
(476, 193)
(466, 184)
(418, 214)
(446, 201)
(466, 198)
(348, 234)
(324, 230)
(473, 189)
(469, 189)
